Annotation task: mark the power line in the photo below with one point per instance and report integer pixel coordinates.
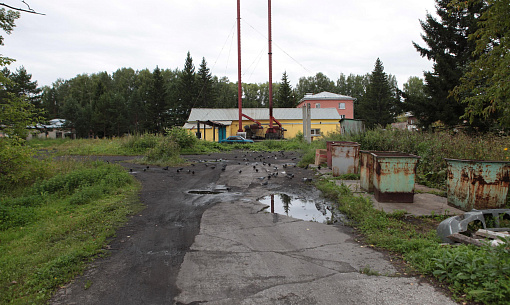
(286, 53)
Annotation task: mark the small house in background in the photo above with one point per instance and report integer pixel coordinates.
(406, 121)
(54, 130)
(352, 126)
(217, 124)
(342, 103)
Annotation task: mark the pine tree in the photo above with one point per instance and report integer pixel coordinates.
(379, 105)
(21, 85)
(187, 93)
(285, 95)
(157, 107)
(451, 51)
(206, 94)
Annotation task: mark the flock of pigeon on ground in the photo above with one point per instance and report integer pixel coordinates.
(261, 164)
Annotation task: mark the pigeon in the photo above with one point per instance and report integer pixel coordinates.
(319, 167)
(165, 168)
(261, 178)
(264, 183)
(257, 170)
(192, 172)
(130, 170)
(240, 171)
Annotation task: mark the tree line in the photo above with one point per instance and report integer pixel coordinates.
(467, 43)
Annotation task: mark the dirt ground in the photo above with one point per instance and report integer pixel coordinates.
(146, 254)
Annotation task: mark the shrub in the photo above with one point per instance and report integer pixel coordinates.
(183, 137)
(166, 151)
(18, 165)
(140, 143)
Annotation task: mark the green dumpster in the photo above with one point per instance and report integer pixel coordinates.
(477, 184)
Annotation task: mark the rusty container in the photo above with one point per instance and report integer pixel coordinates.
(328, 148)
(320, 156)
(366, 168)
(394, 176)
(345, 158)
(473, 184)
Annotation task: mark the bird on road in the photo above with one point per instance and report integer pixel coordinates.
(165, 168)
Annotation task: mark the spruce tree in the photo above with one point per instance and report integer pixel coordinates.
(187, 93)
(157, 102)
(451, 51)
(379, 105)
(285, 95)
(206, 93)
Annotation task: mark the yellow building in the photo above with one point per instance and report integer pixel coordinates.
(214, 124)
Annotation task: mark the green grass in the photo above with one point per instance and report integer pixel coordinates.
(472, 274)
(50, 230)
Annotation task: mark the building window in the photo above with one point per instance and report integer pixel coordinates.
(315, 132)
(342, 116)
(317, 105)
(341, 105)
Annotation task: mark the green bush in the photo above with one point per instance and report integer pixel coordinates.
(183, 137)
(165, 152)
(140, 143)
(18, 165)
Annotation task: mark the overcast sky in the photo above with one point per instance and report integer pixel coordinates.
(309, 36)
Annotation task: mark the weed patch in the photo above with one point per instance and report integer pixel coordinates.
(52, 228)
(474, 274)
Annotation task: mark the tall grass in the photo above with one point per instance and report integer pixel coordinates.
(49, 230)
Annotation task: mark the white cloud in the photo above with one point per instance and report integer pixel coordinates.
(326, 36)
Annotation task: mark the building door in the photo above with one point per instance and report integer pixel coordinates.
(222, 132)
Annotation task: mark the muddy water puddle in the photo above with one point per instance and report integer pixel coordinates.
(300, 208)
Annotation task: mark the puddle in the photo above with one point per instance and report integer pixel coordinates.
(204, 192)
(213, 190)
(299, 208)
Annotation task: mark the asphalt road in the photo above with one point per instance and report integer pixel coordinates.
(218, 245)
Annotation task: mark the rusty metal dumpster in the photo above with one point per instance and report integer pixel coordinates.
(320, 156)
(344, 158)
(328, 148)
(366, 168)
(394, 176)
(473, 184)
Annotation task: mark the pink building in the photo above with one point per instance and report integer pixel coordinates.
(343, 104)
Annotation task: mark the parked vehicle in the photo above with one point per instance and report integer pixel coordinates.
(236, 139)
